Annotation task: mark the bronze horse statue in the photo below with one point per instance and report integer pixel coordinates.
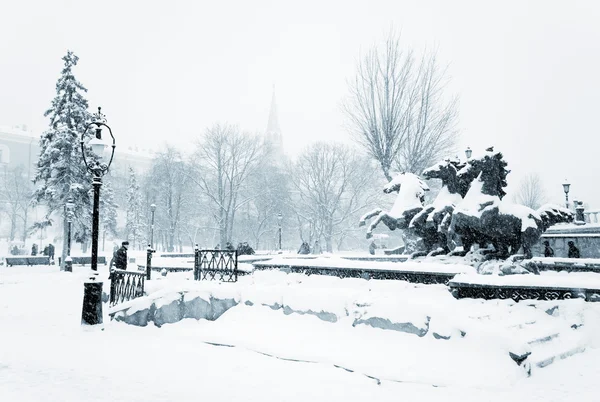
(432, 223)
(484, 217)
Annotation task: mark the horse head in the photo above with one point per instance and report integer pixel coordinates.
(407, 182)
(446, 171)
(491, 171)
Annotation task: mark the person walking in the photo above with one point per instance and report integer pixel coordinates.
(51, 252)
(548, 251)
(573, 250)
(119, 260)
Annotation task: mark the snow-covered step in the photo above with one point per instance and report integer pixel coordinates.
(558, 348)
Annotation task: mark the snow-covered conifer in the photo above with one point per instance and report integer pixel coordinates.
(61, 172)
(135, 223)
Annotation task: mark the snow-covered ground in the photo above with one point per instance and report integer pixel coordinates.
(274, 355)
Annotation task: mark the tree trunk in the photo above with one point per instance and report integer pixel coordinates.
(13, 226)
(25, 225)
(171, 245)
(328, 237)
(65, 245)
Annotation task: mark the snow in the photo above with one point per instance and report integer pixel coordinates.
(568, 261)
(444, 199)
(45, 354)
(337, 263)
(573, 280)
(474, 199)
(409, 197)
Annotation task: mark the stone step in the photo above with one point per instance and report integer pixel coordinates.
(557, 348)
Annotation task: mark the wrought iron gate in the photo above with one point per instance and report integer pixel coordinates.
(125, 285)
(216, 265)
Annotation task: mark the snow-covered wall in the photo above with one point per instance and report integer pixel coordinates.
(586, 239)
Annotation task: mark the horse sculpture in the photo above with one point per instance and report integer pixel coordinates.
(411, 196)
(483, 217)
(432, 223)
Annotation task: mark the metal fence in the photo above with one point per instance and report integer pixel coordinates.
(216, 265)
(125, 285)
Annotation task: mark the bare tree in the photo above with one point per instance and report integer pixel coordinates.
(396, 110)
(170, 182)
(224, 160)
(269, 190)
(16, 193)
(333, 184)
(530, 191)
(431, 125)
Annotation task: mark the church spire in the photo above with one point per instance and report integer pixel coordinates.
(273, 133)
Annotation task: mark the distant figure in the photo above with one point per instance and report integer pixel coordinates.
(45, 250)
(573, 250)
(218, 247)
(229, 247)
(14, 250)
(548, 251)
(51, 251)
(245, 249)
(372, 247)
(304, 248)
(317, 248)
(34, 249)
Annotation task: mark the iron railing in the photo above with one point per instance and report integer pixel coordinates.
(216, 265)
(125, 285)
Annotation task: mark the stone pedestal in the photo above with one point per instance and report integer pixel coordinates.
(91, 313)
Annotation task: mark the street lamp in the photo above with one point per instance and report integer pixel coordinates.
(468, 153)
(279, 219)
(566, 187)
(69, 207)
(92, 297)
(150, 248)
(152, 209)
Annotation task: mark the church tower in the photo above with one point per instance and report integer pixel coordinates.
(273, 133)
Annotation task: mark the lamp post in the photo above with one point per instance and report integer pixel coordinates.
(92, 297)
(468, 153)
(150, 248)
(152, 209)
(279, 219)
(566, 187)
(69, 207)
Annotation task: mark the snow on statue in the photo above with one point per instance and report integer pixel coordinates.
(483, 217)
(432, 223)
(411, 196)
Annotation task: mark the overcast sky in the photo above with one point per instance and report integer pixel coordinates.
(527, 73)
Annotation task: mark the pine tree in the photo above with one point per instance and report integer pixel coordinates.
(108, 212)
(135, 224)
(61, 172)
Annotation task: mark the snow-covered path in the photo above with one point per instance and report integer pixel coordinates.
(46, 356)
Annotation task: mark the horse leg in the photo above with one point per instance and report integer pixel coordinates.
(467, 242)
(362, 221)
(387, 220)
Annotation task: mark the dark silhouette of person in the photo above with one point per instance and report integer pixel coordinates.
(317, 248)
(119, 260)
(548, 251)
(372, 248)
(51, 251)
(573, 250)
(34, 249)
(304, 248)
